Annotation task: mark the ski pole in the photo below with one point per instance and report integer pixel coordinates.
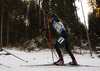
(48, 43)
(51, 44)
(45, 37)
(5, 65)
(50, 40)
(15, 56)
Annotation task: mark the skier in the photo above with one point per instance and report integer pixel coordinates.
(57, 24)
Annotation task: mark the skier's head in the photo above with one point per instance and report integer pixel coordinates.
(50, 18)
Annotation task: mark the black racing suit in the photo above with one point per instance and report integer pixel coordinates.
(59, 27)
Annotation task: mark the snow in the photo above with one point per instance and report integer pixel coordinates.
(44, 57)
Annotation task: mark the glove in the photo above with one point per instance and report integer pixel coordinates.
(1, 49)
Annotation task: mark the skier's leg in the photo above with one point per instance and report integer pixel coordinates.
(68, 50)
(70, 53)
(57, 49)
(59, 42)
(66, 36)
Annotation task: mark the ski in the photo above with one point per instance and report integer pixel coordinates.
(89, 66)
(66, 65)
(42, 65)
(5, 65)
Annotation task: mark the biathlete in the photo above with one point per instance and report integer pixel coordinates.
(57, 24)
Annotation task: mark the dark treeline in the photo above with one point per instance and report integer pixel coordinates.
(94, 23)
(20, 20)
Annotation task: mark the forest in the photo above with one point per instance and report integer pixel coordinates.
(20, 21)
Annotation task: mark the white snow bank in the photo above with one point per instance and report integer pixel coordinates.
(45, 57)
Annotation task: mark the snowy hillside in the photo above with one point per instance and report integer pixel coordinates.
(44, 57)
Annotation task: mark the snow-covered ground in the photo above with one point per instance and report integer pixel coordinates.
(45, 57)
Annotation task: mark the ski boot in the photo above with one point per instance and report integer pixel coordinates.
(59, 62)
(74, 62)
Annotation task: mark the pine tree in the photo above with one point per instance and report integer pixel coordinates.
(94, 23)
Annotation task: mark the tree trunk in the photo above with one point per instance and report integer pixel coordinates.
(64, 1)
(44, 20)
(8, 30)
(39, 14)
(2, 22)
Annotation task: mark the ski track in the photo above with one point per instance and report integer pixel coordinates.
(45, 57)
